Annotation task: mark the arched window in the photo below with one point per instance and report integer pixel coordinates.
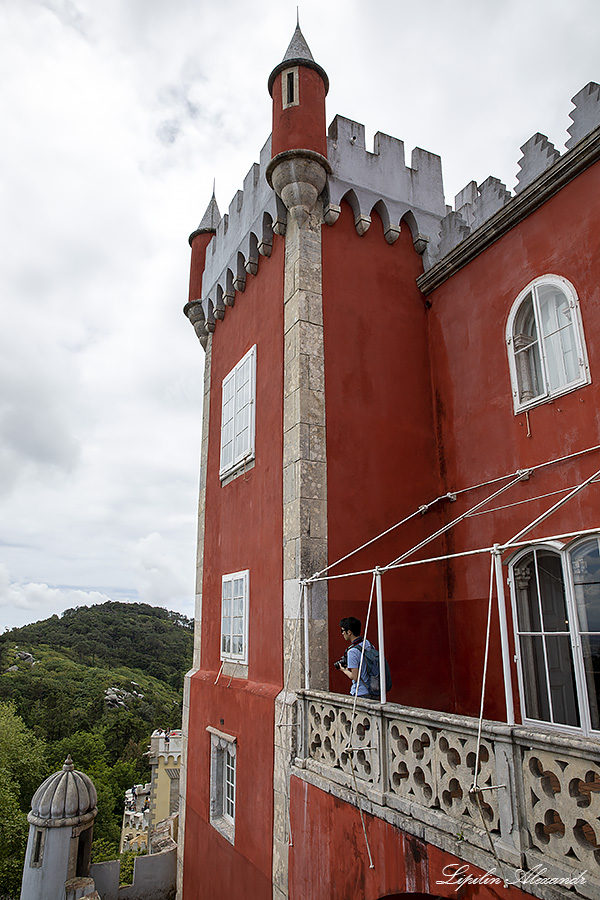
(585, 570)
(546, 348)
(556, 607)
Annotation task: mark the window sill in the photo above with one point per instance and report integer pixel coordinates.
(550, 398)
(240, 469)
(224, 827)
(233, 669)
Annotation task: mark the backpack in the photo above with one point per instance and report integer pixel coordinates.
(371, 660)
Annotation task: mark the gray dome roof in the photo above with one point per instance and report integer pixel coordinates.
(67, 794)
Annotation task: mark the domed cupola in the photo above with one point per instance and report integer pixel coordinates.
(66, 798)
(59, 847)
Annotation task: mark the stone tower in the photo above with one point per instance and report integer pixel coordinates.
(57, 859)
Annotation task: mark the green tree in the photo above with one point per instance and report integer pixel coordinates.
(13, 837)
(87, 750)
(22, 768)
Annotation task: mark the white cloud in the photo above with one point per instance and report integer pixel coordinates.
(29, 602)
(159, 582)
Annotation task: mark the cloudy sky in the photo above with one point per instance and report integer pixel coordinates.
(115, 116)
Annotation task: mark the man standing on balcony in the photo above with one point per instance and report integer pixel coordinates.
(351, 632)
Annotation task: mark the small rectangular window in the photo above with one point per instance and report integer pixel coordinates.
(37, 852)
(234, 617)
(238, 415)
(289, 88)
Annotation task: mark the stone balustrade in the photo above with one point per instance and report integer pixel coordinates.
(540, 790)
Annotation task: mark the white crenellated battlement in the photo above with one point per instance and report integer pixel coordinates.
(381, 181)
(475, 204)
(244, 233)
(377, 181)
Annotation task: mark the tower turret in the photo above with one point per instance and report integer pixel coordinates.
(298, 86)
(199, 241)
(299, 167)
(61, 821)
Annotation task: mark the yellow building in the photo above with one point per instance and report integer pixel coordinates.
(147, 805)
(165, 759)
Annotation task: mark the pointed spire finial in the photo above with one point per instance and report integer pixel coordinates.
(298, 54)
(211, 218)
(298, 48)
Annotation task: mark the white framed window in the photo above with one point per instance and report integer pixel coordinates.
(223, 759)
(234, 616)
(238, 415)
(545, 342)
(556, 609)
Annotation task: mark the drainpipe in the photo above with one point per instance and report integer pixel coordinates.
(382, 687)
(305, 592)
(508, 693)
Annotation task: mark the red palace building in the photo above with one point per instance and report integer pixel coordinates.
(401, 424)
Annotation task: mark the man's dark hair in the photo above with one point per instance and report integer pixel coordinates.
(351, 624)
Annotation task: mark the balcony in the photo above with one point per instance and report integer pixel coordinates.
(540, 797)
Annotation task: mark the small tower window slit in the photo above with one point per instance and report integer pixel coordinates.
(290, 92)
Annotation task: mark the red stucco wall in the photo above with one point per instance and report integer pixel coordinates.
(199, 245)
(381, 453)
(482, 439)
(243, 532)
(329, 856)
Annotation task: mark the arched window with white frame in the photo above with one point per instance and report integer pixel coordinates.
(556, 612)
(546, 346)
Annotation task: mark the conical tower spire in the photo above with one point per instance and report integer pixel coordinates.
(210, 220)
(298, 48)
(298, 54)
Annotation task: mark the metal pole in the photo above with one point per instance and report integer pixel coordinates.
(508, 693)
(382, 689)
(305, 589)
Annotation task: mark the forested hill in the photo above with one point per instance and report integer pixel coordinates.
(93, 683)
(154, 640)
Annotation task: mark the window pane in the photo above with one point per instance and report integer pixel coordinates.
(537, 705)
(528, 606)
(229, 785)
(527, 352)
(558, 330)
(585, 561)
(590, 646)
(562, 680)
(552, 591)
(237, 414)
(226, 616)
